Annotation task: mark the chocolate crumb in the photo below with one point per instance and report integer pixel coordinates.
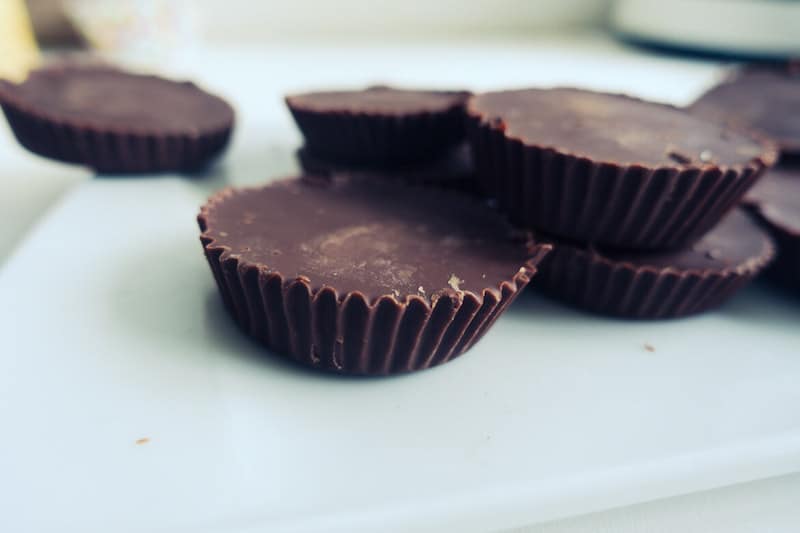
(679, 157)
(143, 440)
(498, 123)
(649, 347)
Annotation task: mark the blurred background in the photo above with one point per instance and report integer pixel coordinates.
(253, 52)
(120, 23)
(142, 27)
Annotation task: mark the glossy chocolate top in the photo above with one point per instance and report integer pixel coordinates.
(764, 99)
(379, 100)
(612, 128)
(368, 235)
(107, 98)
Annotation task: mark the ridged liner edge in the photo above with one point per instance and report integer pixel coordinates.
(619, 288)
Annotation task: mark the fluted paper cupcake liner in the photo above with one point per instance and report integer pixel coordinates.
(453, 171)
(588, 281)
(625, 206)
(113, 151)
(346, 333)
(365, 137)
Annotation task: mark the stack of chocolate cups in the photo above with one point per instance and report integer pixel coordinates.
(413, 136)
(637, 198)
(767, 99)
(367, 264)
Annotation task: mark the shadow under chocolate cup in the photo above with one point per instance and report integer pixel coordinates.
(609, 169)
(116, 122)
(379, 124)
(663, 284)
(363, 276)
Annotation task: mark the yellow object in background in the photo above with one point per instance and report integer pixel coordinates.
(18, 50)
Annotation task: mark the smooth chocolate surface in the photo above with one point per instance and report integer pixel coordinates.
(379, 100)
(106, 98)
(777, 197)
(367, 235)
(612, 128)
(733, 243)
(766, 99)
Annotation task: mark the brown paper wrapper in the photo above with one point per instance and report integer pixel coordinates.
(625, 206)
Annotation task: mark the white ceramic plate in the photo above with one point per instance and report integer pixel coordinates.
(112, 332)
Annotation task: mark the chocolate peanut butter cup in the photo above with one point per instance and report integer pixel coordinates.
(114, 121)
(609, 169)
(454, 170)
(666, 284)
(761, 98)
(775, 200)
(379, 124)
(363, 276)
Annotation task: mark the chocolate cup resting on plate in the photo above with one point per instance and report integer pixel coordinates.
(665, 284)
(363, 276)
(116, 122)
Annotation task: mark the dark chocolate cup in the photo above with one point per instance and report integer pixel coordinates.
(625, 206)
(595, 283)
(112, 150)
(350, 137)
(344, 332)
(785, 269)
(452, 171)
